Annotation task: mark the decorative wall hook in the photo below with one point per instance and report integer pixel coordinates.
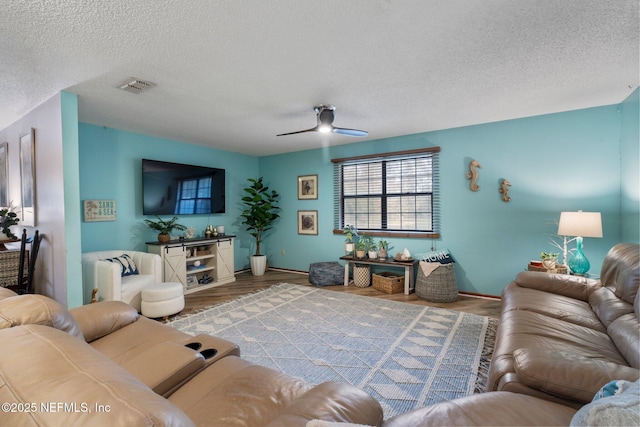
(472, 174)
(504, 190)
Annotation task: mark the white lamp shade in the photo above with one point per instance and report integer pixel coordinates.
(582, 224)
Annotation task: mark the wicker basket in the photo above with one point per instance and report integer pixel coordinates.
(361, 275)
(439, 286)
(9, 264)
(388, 282)
(560, 269)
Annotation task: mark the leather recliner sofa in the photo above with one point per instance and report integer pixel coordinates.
(103, 364)
(560, 339)
(563, 337)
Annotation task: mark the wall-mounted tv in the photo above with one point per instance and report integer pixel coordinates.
(177, 189)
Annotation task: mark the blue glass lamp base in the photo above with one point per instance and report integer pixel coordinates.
(579, 264)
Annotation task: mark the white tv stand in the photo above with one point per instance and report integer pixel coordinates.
(180, 259)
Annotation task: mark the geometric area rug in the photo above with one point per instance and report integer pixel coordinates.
(404, 355)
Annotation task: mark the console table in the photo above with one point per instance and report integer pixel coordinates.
(198, 264)
(409, 284)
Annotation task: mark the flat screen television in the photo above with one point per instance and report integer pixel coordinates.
(178, 189)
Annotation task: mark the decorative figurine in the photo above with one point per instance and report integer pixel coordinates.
(504, 190)
(191, 233)
(472, 174)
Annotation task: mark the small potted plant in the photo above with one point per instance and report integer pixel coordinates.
(349, 246)
(164, 227)
(549, 260)
(8, 218)
(383, 249)
(361, 246)
(372, 250)
(365, 244)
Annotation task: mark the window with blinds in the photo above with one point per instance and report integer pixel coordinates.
(394, 192)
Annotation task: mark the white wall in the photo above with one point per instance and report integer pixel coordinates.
(51, 276)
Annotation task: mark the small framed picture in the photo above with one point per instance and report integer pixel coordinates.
(308, 222)
(307, 187)
(192, 280)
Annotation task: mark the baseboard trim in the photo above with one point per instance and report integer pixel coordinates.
(468, 294)
(476, 295)
(288, 270)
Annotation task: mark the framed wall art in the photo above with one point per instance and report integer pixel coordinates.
(4, 174)
(307, 187)
(28, 177)
(308, 222)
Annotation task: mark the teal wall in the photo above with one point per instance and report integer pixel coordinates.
(629, 169)
(557, 162)
(110, 168)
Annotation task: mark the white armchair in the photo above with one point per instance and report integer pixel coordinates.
(107, 276)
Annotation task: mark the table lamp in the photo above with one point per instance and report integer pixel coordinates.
(579, 224)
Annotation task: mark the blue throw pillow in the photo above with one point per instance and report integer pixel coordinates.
(127, 266)
(616, 404)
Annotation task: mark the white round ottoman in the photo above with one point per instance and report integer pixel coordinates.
(162, 299)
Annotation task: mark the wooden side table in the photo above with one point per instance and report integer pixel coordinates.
(409, 282)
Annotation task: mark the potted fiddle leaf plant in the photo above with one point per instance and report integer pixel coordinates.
(258, 217)
(164, 227)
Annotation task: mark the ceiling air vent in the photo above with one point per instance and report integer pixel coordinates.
(134, 85)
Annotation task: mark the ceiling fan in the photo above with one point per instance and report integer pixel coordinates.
(326, 114)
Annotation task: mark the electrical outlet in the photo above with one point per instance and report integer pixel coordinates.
(283, 252)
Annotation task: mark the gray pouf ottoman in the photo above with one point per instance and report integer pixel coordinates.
(326, 273)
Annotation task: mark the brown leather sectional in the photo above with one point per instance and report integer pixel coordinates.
(560, 339)
(103, 364)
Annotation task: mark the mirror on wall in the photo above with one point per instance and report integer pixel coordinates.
(28, 177)
(4, 174)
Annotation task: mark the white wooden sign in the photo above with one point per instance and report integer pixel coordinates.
(99, 210)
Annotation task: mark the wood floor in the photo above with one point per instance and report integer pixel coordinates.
(246, 283)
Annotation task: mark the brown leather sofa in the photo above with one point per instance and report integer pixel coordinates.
(563, 337)
(103, 364)
(560, 339)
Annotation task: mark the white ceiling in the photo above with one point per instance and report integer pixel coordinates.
(233, 74)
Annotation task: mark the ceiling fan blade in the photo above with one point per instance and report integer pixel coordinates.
(350, 132)
(300, 131)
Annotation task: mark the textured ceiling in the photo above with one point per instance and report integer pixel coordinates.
(233, 74)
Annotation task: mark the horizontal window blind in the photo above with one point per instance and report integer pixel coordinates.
(394, 192)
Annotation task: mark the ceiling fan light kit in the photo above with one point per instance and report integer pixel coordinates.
(326, 115)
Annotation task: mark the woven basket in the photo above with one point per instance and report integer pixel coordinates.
(361, 275)
(388, 282)
(439, 286)
(560, 269)
(9, 263)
